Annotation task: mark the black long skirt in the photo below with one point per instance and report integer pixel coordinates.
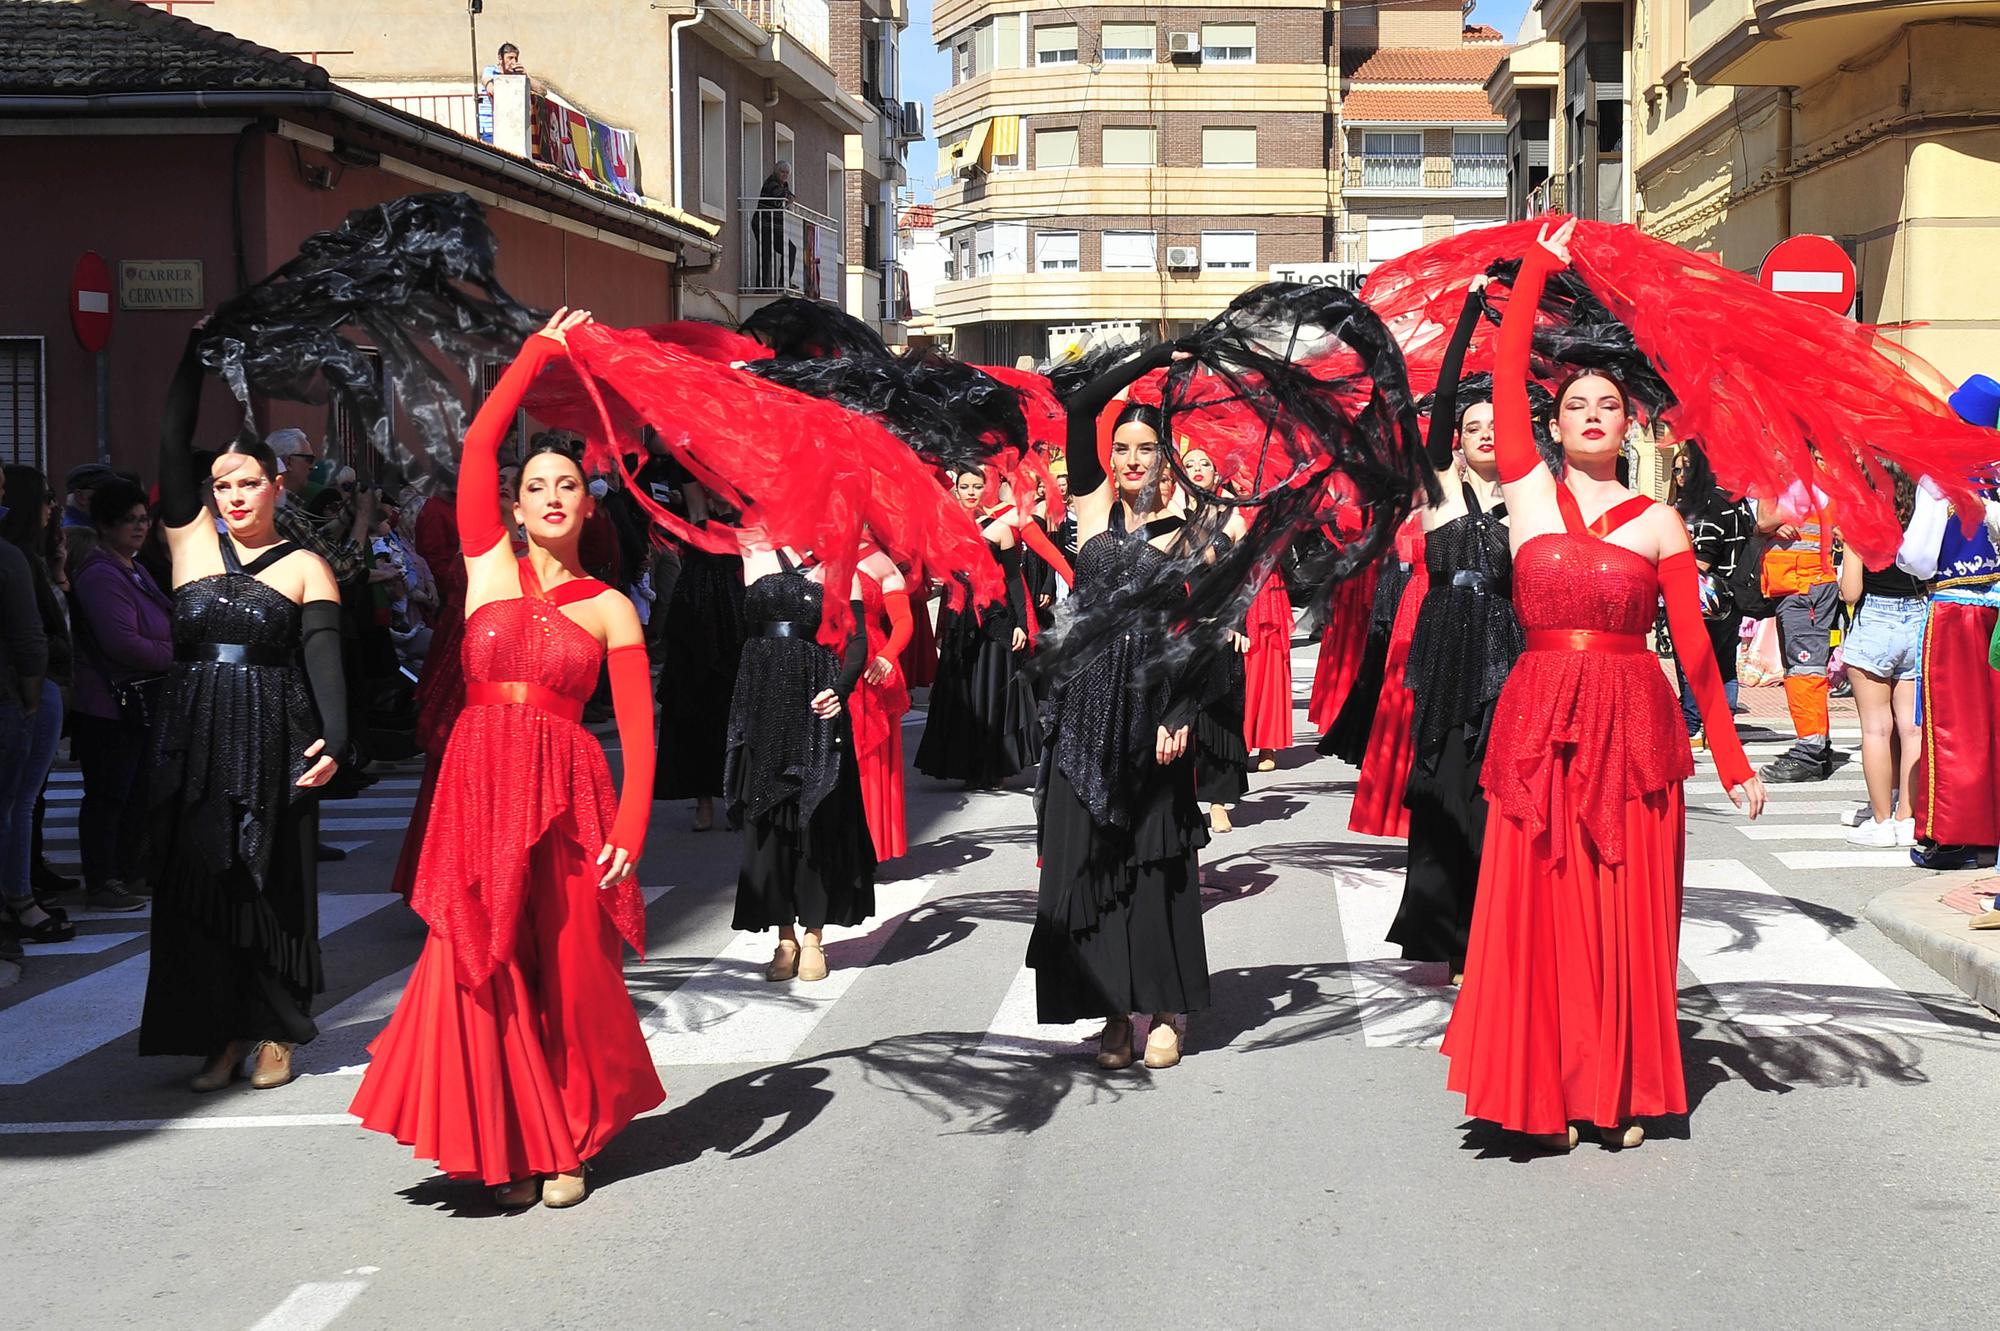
(1221, 760)
(702, 644)
(982, 724)
(1118, 916)
(1447, 829)
(1347, 738)
(231, 963)
(813, 875)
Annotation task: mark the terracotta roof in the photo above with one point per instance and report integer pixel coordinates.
(117, 46)
(1453, 64)
(1418, 108)
(1480, 32)
(919, 217)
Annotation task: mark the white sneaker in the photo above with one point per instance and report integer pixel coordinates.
(1872, 833)
(1856, 817)
(1906, 832)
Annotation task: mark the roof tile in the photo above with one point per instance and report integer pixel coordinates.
(1453, 64)
(1418, 108)
(89, 46)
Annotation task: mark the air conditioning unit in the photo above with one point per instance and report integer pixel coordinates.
(1184, 47)
(911, 127)
(1183, 256)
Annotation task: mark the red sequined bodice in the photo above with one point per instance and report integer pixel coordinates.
(529, 640)
(1578, 733)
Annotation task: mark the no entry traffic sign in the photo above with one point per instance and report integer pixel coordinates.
(90, 301)
(1813, 269)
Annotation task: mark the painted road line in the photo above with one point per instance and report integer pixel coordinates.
(57, 835)
(1763, 831)
(66, 816)
(1836, 784)
(1772, 967)
(40, 1034)
(1400, 1003)
(313, 1306)
(1844, 859)
(1014, 1029)
(83, 945)
(348, 1027)
(1830, 807)
(214, 1122)
(727, 1012)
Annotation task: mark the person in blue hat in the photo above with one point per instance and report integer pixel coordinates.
(1956, 799)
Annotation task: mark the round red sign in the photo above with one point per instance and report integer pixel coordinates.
(1814, 269)
(90, 301)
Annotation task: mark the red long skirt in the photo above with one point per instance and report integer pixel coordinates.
(1385, 768)
(1341, 648)
(535, 1070)
(882, 793)
(1267, 669)
(1957, 798)
(1569, 1011)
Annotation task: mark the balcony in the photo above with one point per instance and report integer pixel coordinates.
(805, 21)
(789, 250)
(1400, 171)
(1479, 173)
(1794, 43)
(456, 111)
(544, 128)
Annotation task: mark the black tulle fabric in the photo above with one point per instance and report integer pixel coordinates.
(794, 327)
(1467, 637)
(225, 858)
(1583, 334)
(410, 277)
(780, 751)
(701, 648)
(953, 415)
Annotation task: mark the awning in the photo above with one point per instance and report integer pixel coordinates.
(962, 156)
(1006, 139)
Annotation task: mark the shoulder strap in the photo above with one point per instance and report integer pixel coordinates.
(576, 589)
(261, 562)
(531, 584)
(1618, 515)
(784, 560)
(1159, 527)
(1117, 521)
(1572, 515)
(1471, 499)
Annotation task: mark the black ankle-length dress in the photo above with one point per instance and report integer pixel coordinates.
(1467, 640)
(231, 837)
(1118, 916)
(981, 725)
(701, 648)
(790, 775)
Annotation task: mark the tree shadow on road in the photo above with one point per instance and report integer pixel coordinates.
(954, 851)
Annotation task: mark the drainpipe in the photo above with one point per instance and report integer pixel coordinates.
(1784, 163)
(678, 91)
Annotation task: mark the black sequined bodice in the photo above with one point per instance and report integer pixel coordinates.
(235, 608)
(778, 749)
(1107, 712)
(1467, 636)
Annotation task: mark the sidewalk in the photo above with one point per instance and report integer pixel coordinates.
(1931, 918)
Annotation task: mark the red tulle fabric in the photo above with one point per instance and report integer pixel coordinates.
(1267, 668)
(1578, 736)
(878, 735)
(1048, 423)
(1341, 648)
(1385, 767)
(532, 1070)
(511, 775)
(804, 472)
(1569, 1007)
(1776, 390)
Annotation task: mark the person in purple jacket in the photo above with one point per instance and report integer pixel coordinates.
(124, 637)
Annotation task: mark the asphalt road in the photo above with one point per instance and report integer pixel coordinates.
(902, 1147)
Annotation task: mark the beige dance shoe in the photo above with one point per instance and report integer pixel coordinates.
(274, 1066)
(517, 1195)
(221, 1070)
(784, 962)
(561, 1190)
(1621, 1138)
(1163, 1045)
(812, 963)
(1564, 1141)
(1114, 1044)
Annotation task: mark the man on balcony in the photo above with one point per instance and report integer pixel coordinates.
(510, 63)
(775, 259)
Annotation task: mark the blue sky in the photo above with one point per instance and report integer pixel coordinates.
(925, 73)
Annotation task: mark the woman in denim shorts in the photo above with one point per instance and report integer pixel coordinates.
(1881, 650)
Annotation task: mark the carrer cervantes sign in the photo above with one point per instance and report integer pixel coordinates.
(159, 284)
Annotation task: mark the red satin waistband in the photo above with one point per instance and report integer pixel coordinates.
(1584, 640)
(530, 695)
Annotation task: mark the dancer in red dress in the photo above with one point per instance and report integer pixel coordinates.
(515, 1055)
(1385, 767)
(1267, 673)
(1341, 648)
(881, 701)
(1568, 1011)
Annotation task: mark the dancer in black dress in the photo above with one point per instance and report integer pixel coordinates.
(1118, 917)
(981, 727)
(1221, 758)
(1466, 642)
(701, 645)
(237, 755)
(791, 777)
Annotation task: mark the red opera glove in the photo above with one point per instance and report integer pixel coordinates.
(1038, 540)
(1680, 583)
(632, 703)
(1513, 425)
(896, 605)
(481, 525)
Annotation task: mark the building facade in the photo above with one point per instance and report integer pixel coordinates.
(1115, 171)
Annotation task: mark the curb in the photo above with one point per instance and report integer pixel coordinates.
(1914, 917)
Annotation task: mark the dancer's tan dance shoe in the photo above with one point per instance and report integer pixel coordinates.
(560, 1190)
(784, 962)
(1555, 1141)
(1218, 819)
(221, 1070)
(1163, 1045)
(274, 1066)
(812, 962)
(1114, 1044)
(1629, 1135)
(516, 1195)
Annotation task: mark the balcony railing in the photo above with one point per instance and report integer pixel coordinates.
(804, 20)
(789, 250)
(456, 111)
(1479, 173)
(1402, 171)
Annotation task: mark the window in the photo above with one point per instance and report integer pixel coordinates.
(1228, 251)
(962, 61)
(1000, 249)
(714, 151)
(1127, 44)
(982, 254)
(1393, 237)
(1362, 15)
(1006, 42)
(21, 401)
(1392, 161)
(1129, 251)
(751, 148)
(1129, 145)
(1055, 44)
(1058, 252)
(1228, 43)
(1478, 160)
(1054, 149)
(1228, 146)
(784, 149)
